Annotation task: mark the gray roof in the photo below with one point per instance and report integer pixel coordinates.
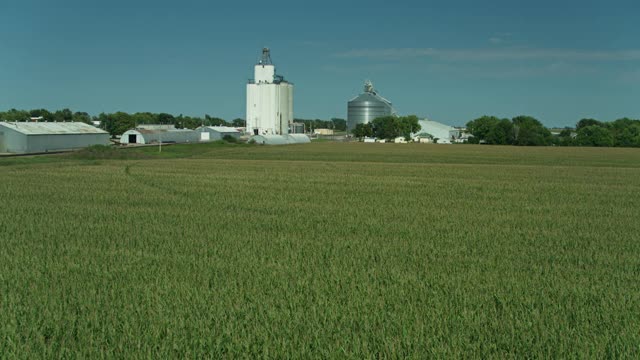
(221, 129)
(52, 128)
(158, 131)
(156, 126)
(370, 98)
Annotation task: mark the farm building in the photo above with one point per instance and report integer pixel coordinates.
(281, 139)
(213, 133)
(36, 137)
(154, 134)
(323, 131)
(444, 133)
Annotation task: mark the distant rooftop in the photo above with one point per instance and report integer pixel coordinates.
(156, 126)
(52, 128)
(222, 129)
(434, 124)
(161, 131)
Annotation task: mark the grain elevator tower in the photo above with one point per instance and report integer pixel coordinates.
(269, 100)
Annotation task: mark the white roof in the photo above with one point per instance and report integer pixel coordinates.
(430, 124)
(52, 128)
(157, 131)
(156, 126)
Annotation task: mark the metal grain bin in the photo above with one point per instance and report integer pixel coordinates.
(366, 107)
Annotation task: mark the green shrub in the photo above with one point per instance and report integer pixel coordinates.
(230, 139)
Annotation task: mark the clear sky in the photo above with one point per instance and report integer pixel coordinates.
(450, 61)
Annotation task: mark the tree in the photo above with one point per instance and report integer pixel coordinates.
(629, 137)
(481, 127)
(63, 115)
(188, 122)
(117, 123)
(502, 133)
(141, 118)
(587, 122)
(409, 125)
(238, 122)
(362, 130)
(565, 138)
(45, 114)
(339, 124)
(386, 127)
(530, 132)
(214, 121)
(164, 118)
(594, 135)
(335, 124)
(15, 115)
(81, 117)
(391, 127)
(626, 132)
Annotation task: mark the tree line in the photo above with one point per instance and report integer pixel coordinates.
(335, 124)
(46, 115)
(528, 131)
(119, 122)
(388, 127)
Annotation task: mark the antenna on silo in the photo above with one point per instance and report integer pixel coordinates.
(266, 57)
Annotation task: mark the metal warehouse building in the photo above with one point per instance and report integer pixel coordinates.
(213, 133)
(154, 134)
(35, 137)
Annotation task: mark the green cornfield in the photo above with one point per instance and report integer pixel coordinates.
(323, 250)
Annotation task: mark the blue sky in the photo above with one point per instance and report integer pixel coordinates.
(450, 61)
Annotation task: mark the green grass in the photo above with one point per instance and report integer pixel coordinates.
(322, 250)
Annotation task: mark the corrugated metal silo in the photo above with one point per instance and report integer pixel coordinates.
(366, 107)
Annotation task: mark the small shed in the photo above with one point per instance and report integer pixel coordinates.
(323, 131)
(37, 137)
(280, 139)
(154, 135)
(214, 133)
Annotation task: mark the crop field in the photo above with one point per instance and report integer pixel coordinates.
(324, 250)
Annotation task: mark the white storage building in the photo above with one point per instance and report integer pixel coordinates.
(214, 133)
(37, 137)
(154, 134)
(444, 133)
(280, 139)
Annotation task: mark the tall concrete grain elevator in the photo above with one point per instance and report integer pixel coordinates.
(269, 100)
